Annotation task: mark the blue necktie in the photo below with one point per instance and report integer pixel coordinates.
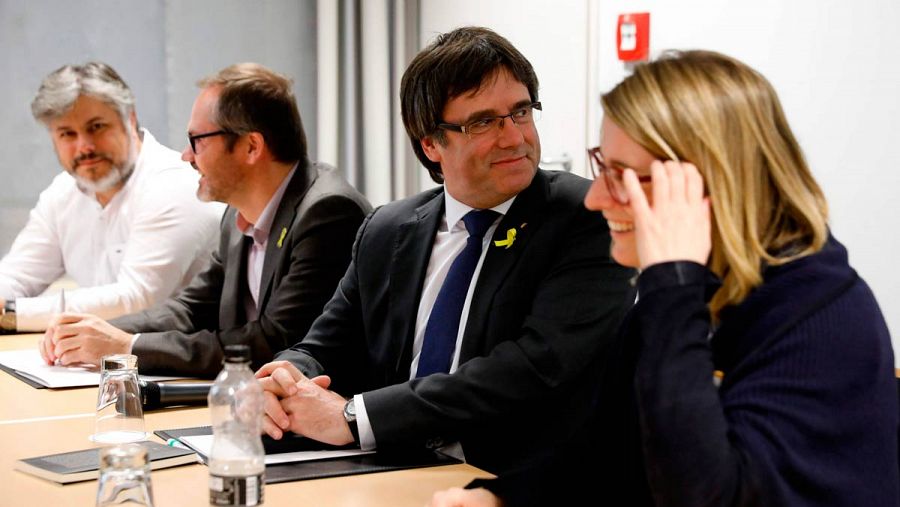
(443, 323)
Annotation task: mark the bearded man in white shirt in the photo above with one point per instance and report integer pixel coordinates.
(122, 221)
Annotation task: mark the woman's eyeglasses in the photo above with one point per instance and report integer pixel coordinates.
(611, 175)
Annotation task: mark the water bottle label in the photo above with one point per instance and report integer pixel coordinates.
(225, 490)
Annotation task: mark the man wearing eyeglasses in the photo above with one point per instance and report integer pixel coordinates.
(478, 312)
(285, 239)
(121, 221)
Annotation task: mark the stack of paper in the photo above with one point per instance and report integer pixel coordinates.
(28, 364)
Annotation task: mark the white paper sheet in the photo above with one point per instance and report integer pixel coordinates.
(29, 363)
(203, 443)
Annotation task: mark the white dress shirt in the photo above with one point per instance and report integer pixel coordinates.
(448, 243)
(147, 243)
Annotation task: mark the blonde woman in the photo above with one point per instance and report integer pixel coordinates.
(756, 368)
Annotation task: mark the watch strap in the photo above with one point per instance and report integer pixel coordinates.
(350, 417)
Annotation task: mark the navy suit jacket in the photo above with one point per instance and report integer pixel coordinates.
(542, 313)
(307, 252)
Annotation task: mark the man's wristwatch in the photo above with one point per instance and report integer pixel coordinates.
(8, 317)
(350, 417)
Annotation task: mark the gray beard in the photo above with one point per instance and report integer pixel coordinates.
(117, 175)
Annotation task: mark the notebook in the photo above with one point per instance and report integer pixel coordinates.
(84, 465)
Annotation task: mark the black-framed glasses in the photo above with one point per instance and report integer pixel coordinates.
(193, 138)
(524, 115)
(611, 175)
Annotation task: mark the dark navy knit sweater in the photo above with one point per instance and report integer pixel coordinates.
(805, 412)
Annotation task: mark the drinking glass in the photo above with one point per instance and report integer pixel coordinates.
(120, 416)
(124, 476)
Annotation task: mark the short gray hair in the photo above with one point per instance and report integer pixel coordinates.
(60, 90)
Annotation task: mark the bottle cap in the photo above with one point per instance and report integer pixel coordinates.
(237, 354)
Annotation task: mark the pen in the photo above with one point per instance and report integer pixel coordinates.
(60, 308)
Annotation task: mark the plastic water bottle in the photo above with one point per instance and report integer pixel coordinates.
(236, 460)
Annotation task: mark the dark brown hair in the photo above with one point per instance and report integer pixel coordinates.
(455, 63)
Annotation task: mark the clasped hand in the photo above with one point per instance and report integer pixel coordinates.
(76, 338)
(302, 405)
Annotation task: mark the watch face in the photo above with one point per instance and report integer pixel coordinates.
(350, 410)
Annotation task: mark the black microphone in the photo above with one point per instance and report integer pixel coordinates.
(158, 395)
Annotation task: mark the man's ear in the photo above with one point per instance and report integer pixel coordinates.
(431, 148)
(132, 121)
(255, 146)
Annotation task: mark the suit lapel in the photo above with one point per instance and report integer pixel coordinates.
(411, 255)
(235, 272)
(303, 178)
(525, 216)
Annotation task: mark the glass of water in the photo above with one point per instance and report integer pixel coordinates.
(124, 476)
(120, 416)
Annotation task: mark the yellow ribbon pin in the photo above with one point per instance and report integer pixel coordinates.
(510, 238)
(281, 238)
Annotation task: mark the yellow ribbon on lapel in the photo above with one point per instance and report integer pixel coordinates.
(510, 238)
(281, 238)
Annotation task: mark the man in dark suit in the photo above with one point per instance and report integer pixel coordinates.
(285, 239)
(503, 362)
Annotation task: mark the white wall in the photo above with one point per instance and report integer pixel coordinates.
(836, 67)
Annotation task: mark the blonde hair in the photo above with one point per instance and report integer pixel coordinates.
(724, 117)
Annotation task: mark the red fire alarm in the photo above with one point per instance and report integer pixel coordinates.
(633, 36)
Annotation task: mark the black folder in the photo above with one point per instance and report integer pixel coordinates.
(381, 461)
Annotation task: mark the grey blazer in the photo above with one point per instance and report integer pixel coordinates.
(320, 213)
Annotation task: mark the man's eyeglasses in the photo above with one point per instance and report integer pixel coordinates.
(611, 175)
(522, 116)
(193, 138)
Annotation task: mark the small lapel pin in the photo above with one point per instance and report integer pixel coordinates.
(510, 238)
(281, 238)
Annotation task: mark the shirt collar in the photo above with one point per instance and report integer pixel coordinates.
(260, 230)
(455, 210)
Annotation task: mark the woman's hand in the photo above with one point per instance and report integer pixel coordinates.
(676, 226)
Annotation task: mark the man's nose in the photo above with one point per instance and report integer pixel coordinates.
(187, 154)
(85, 144)
(510, 133)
